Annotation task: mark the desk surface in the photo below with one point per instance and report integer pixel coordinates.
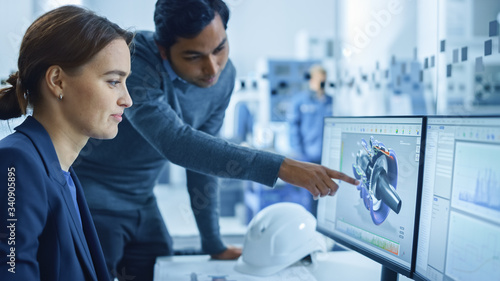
(331, 266)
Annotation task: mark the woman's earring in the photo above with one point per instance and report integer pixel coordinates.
(60, 96)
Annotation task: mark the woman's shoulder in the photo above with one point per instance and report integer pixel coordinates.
(17, 148)
(21, 164)
(16, 141)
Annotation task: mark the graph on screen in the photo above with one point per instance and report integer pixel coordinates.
(476, 179)
(473, 249)
(486, 191)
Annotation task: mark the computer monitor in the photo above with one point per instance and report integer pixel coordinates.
(378, 217)
(459, 232)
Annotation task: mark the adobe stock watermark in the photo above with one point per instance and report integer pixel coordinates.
(11, 219)
(378, 21)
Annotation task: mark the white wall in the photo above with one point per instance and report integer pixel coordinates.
(15, 19)
(134, 14)
(268, 28)
(374, 31)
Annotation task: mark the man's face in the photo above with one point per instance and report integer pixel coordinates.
(200, 60)
(317, 78)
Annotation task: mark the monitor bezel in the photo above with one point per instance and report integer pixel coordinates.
(381, 259)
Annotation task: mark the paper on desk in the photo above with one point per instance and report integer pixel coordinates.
(223, 271)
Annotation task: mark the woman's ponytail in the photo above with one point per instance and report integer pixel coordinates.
(12, 99)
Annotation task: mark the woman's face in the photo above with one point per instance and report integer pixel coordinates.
(95, 96)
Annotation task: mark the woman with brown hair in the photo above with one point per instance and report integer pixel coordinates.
(72, 70)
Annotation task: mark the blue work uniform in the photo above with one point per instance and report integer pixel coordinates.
(306, 125)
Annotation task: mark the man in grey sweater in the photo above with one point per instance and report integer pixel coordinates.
(181, 83)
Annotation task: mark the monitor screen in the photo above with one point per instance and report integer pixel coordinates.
(459, 237)
(376, 218)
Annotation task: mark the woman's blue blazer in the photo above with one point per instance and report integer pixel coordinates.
(41, 237)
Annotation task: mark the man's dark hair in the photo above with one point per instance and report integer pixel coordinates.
(185, 18)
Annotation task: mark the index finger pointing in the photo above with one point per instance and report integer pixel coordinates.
(341, 176)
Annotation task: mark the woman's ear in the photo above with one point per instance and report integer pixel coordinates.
(53, 78)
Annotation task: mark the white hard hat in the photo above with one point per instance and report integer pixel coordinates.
(278, 236)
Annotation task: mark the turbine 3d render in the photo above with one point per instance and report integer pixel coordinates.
(377, 170)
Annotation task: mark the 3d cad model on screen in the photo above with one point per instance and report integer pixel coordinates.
(376, 168)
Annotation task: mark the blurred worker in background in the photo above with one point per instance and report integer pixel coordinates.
(306, 117)
(181, 83)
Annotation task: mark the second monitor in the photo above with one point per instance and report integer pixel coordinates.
(459, 232)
